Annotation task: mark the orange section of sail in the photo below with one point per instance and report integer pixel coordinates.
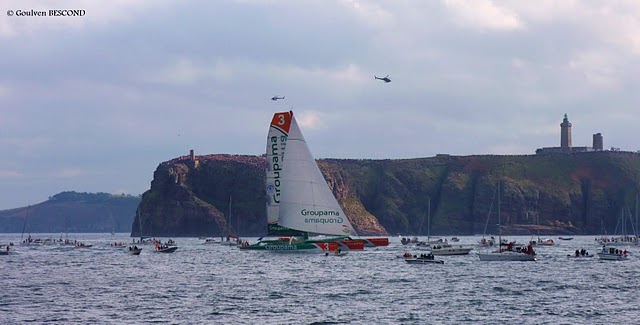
(282, 121)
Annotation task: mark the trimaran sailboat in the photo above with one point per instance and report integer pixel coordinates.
(299, 200)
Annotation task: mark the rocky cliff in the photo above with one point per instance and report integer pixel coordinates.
(572, 193)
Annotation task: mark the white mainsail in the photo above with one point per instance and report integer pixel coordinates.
(276, 143)
(306, 202)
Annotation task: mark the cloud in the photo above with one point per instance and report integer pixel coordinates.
(70, 172)
(99, 13)
(369, 13)
(10, 174)
(483, 14)
(309, 119)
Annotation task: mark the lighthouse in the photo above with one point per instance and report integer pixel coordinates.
(565, 134)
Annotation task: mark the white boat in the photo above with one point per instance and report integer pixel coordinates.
(505, 255)
(613, 254)
(165, 249)
(298, 193)
(211, 241)
(231, 241)
(440, 246)
(543, 242)
(512, 252)
(5, 250)
(448, 249)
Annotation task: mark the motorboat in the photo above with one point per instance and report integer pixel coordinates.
(210, 241)
(543, 242)
(134, 250)
(613, 254)
(422, 259)
(165, 248)
(448, 249)
(581, 254)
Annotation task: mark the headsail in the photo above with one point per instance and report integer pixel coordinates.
(276, 143)
(306, 202)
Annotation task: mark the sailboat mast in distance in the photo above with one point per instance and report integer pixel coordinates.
(24, 225)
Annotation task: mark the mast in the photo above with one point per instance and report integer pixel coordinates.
(24, 225)
(230, 225)
(139, 223)
(637, 226)
(499, 228)
(428, 219)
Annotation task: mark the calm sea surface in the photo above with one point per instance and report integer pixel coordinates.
(212, 284)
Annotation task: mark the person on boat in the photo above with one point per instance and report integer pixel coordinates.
(530, 250)
(623, 253)
(577, 253)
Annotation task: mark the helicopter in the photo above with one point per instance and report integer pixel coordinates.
(274, 98)
(385, 79)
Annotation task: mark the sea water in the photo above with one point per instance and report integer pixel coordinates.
(213, 284)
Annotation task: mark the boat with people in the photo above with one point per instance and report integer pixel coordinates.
(164, 248)
(440, 246)
(299, 201)
(338, 252)
(232, 240)
(421, 259)
(512, 252)
(613, 254)
(79, 244)
(211, 241)
(448, 249)
(580, 253)
(543, 242)
(5, 249)
(487, 242)
(413, 241)
(134, 250)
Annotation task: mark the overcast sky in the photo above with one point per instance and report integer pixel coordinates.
(95, 103)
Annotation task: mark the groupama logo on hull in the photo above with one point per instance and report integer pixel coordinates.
(324, 217)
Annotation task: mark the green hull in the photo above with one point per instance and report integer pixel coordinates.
(283, 246)
(277, 230)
